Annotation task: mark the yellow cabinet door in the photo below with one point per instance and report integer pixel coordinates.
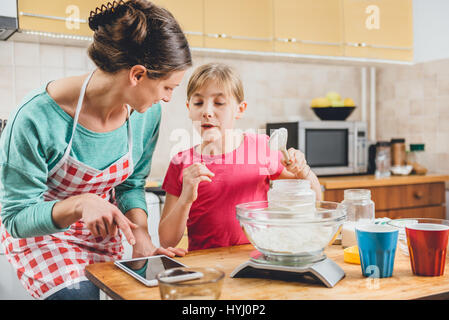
(62, 16)
(379, 29)
(239, 24)
(309, 27)
(190, 15)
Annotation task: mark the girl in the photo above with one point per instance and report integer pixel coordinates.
(205, 183)
(76, 153)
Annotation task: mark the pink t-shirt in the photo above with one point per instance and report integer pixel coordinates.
(242, 175)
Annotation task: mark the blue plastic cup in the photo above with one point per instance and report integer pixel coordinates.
(377, 248)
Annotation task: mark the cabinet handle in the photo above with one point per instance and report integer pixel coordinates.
(364, 44)
(286, 40)
(216, 35)
(418, 195)
(294, 40)
(357, 45)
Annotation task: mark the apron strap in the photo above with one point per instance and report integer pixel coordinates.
(77, 114)
(130, 137)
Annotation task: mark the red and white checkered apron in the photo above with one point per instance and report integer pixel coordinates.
(48, 263)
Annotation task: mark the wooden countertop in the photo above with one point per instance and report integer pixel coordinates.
(403, 285)
(366, 181)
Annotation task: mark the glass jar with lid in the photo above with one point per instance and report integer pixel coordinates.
(415, 158)
(383, 159)
(359, 210)
(292, 195)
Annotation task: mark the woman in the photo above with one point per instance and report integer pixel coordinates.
(75, 155)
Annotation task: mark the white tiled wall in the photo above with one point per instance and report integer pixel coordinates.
(25, 66)
(413, 103)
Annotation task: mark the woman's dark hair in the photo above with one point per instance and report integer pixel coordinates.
(138, 32)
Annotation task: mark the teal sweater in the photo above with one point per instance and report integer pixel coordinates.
(35, 139)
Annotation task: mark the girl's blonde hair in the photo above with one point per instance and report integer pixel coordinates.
(222, 74)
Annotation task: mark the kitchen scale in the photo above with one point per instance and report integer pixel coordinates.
(324, 271)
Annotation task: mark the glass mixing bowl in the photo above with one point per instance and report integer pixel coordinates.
(288, 233)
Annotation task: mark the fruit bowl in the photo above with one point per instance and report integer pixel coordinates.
(333, 113)
(288, 233)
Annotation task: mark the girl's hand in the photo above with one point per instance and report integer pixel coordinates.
(298, 165)
(103, 218)
(192, 176)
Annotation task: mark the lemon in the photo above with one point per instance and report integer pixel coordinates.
(333, 96)
(320, 103)
(348, 102)
(337, 103)
(351, 255)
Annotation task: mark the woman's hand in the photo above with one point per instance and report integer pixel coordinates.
(297, 165)
(103, 218)
(144, 247)
(170, 251)
(192, 176)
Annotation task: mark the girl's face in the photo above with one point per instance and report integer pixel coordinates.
(213, 111)
(147, 92)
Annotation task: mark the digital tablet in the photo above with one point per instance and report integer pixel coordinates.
(145, 269)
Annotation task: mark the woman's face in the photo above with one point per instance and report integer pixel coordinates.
(147, 92)
(213, 111)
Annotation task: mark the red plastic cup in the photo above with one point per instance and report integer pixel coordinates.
(427, 244)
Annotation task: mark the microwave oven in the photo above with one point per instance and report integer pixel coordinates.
(330, 147)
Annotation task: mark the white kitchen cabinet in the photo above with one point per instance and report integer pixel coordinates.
(154, 212)
(154, 215)
(10, 286)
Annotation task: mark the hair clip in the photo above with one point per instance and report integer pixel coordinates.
(104, 14)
